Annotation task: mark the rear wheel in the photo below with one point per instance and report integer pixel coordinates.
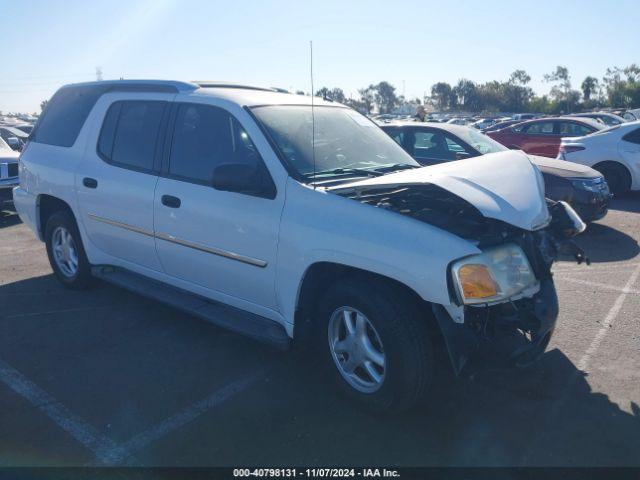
(617, 176)
(66, 252)
(375, 344)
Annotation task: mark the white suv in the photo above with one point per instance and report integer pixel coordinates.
(254, 210)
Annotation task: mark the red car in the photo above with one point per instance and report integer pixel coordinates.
(542, 136)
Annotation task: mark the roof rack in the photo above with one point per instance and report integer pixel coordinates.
(140, 85)
(220, 84)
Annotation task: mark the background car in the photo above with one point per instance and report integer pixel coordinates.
(8, 171)
(9, 134)
(542, 136)
(615, 152)
(501, 125)
(609, 119)
(632, 115)
(583, 188)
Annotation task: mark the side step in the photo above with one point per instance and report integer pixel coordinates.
(259, 328)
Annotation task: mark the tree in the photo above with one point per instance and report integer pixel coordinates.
(519, 77)
(385, 97)
(367, 97)
(465, 92)
(337, 95)
(323, 92)
(441, 94)
(589, 86)
(562, 91)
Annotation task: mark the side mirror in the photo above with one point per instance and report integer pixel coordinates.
(242, 178)
(14, 143)
(462, 155)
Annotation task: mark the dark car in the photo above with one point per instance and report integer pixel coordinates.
(582, 187)
(542, 136)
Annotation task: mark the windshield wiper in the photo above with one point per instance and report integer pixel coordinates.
(346, 171)
(394, 167)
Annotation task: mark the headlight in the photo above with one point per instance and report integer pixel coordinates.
(592, 185)
(495, 275)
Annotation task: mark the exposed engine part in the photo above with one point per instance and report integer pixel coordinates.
(436, 206)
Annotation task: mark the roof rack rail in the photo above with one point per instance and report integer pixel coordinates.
(170, 86)
(220, 84)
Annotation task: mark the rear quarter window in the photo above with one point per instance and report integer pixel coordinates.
(65, 115)
(633, 136)
(129, 134)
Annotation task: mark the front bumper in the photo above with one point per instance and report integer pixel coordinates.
(6, 187)
(516, 332)
(591, 206)
(26, 205)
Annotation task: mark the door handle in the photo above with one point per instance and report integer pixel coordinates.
(170, 201)
(90, 182)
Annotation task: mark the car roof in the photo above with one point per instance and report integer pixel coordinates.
(589, 121)
(245, 95)
(449, 127)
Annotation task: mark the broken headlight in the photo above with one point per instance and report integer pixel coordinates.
(495, 275)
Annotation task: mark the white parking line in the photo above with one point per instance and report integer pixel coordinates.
(601, 285)
(107, 451)
(84, 433)
(123, 452)
(582, 365)
(606, 325)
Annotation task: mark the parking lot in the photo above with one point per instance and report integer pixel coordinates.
(105, 377)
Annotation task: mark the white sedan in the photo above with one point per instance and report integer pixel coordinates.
(614, 152)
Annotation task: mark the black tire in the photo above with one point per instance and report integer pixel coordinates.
(402, 329)
(82, 277)
(617, 177)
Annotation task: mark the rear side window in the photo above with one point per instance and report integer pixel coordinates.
(571, 129)
(633, 137)
(205, 137)
(539, 128)
(65, 115)
(129, 134)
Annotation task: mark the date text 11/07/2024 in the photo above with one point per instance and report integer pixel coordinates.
(316, 473)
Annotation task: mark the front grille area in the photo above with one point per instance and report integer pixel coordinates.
(12, 170)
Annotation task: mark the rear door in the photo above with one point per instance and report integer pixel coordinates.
(219, 243)
(629, 148)
(117, 180)
(540, 138)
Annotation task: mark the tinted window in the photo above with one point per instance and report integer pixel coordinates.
(65, 114)
(397, 135)
(539, 128)
(633, 136)
(105, 142)
(436, 145)
(570, 129)
(130, 132)
(205, 137)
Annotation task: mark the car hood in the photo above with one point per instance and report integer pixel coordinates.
(514, 196)
(562, 168)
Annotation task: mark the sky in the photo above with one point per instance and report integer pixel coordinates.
(411, 44)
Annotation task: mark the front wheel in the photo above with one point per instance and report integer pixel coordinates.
(66, 252)
(617, 177)
(375, 344)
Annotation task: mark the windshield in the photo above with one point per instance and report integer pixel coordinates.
(481, 142)
(346, 143)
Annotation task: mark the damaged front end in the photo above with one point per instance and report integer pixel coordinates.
(503, 300)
